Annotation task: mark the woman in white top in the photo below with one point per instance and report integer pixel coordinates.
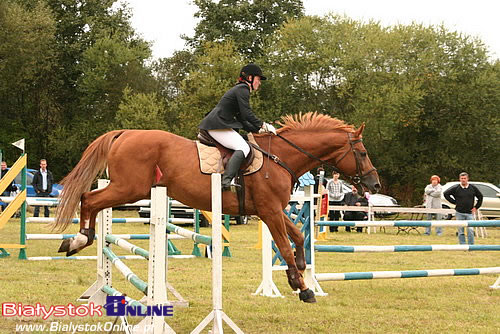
(433, 201)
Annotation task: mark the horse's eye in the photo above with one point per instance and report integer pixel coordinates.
(363, 154)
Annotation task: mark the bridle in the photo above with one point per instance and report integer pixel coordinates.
(356, 179)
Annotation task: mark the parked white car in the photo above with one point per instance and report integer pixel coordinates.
(373, 199)
(491, 198)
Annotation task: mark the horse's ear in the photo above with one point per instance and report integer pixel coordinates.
(359, 131)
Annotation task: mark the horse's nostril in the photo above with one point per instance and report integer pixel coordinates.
(377, 187)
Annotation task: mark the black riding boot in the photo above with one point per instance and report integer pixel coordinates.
(232, 168)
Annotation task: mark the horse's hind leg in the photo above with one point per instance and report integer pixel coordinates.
(298, 239)
(91, 203)
(276, 223)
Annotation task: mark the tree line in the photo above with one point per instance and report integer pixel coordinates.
(73, 70)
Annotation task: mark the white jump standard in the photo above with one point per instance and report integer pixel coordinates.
(217, 315)
(156, 288)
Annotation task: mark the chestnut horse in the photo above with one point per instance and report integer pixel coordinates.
(132, 156)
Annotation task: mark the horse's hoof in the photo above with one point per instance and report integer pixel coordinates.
(74, 251)
(307, 296)
(64, 246)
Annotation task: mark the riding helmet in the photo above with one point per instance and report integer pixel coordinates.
(252, 69)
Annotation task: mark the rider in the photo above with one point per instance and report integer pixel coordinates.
(233, 112)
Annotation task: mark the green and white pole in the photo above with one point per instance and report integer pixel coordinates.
(196, 250)
(22, 241)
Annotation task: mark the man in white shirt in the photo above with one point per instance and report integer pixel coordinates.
(42, 183)
(335, 197)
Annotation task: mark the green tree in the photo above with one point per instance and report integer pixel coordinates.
(247, 23)
(27, 68)
(99, 55)
(216, 71)
(429, 96)
(141, 111)
(171, 72)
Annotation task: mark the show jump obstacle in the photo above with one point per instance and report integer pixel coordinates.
(155, 290)
(272, 262)
(18, 202)
(176, 232)
(217, 315)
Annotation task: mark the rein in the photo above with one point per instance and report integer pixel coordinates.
(277, 160)
(307, 153)
(355, 179)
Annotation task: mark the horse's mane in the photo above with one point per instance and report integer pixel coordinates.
(313, 121)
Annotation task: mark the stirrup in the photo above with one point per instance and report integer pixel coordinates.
(233, 187)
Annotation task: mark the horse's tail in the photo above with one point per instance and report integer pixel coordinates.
(80, 179)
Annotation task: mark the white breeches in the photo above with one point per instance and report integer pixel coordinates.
(230, 139)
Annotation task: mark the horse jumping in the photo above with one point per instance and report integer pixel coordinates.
(132, 156)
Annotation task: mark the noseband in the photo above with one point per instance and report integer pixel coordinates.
(356, 179)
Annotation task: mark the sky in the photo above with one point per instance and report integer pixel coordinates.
(162, 22)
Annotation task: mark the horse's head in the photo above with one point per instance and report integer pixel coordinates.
(355, 163)
(332, 142)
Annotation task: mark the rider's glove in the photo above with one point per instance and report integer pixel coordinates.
(266, 127)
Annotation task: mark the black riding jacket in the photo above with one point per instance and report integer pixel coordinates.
(233, 112)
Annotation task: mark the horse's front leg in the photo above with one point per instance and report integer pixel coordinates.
(276, 224)
(298, 239)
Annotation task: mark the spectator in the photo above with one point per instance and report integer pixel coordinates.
(433, 201)
(42, 183)
(354, 199)
(335, 197)
(462, 195)
(10, 188)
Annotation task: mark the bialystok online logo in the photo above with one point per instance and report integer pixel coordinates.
(118, 306)
(115, 306)
(39, 310)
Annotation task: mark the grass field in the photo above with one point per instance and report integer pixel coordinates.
(417, 305)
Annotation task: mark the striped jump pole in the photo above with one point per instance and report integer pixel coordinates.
(405, 274)
(113, 292)
(129, 274)
(412, 223)
(82, 257)
(33, 201)
(127, 246)
(217, 315)
(403, 248)
(93, 257)
(48, 220)
(43, 236)
(196, 237)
